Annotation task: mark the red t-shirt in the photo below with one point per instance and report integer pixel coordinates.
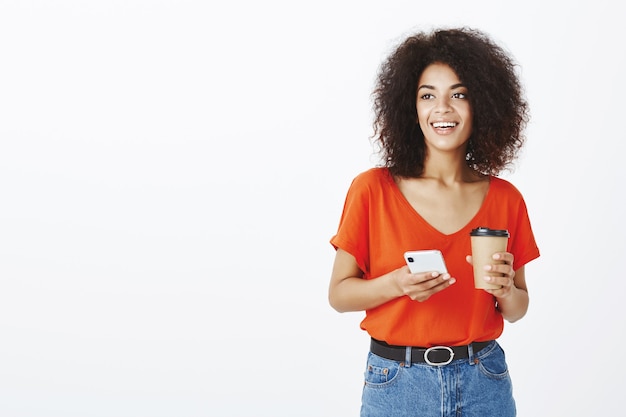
(378, 225)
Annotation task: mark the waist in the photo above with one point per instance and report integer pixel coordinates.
(436, 355)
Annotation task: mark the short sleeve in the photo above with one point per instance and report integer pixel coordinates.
(353, 231)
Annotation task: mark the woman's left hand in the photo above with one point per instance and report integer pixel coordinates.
(503, 267)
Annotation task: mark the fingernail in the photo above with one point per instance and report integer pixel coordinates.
(487, 278)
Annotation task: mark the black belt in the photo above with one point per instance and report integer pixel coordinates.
(436, 355)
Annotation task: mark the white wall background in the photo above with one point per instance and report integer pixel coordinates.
(171, 173)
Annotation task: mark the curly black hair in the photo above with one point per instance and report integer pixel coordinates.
(495, 95)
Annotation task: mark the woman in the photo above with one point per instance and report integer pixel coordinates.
(449, 116)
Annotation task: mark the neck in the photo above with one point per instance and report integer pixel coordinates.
(448, 169)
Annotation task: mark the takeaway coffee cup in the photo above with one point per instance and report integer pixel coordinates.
(485, 243)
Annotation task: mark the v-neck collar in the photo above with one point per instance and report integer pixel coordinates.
(463, 230)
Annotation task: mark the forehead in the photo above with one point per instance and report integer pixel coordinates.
(438, 74)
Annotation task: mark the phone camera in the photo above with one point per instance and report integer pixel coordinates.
(410, 259)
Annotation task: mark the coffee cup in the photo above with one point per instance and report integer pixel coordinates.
(485, 243)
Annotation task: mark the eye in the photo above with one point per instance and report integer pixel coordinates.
(461, 96)
(427, 96)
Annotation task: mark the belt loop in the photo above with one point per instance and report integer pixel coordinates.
(470, 354)
(407, 358)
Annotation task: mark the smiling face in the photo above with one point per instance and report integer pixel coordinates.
(443, 109)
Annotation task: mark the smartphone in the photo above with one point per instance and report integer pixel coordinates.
(425, 260)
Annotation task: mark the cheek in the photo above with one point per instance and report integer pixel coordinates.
(422, 117)
(466, 111)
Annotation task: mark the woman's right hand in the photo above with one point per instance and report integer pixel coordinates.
(348, 291)
(420, 286)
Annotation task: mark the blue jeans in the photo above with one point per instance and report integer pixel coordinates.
(476, 387)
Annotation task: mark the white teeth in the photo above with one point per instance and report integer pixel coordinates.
(444, 124)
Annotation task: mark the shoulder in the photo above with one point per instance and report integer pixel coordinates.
(373, 177)
(374, 174)
(503, 186)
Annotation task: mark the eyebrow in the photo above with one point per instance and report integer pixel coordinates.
(452, 87)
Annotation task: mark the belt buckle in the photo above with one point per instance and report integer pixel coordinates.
(430, 349)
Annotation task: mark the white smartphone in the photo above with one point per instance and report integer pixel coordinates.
(425, 260)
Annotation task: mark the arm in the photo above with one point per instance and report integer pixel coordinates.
(514, 305)
(348, 291)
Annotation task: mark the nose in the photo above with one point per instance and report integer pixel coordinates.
(443, 105)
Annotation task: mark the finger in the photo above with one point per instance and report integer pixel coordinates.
(504, 269)
(494, 286)
(505, 257)
(468, 259)
(411, 280)
(502, 282)
(434, 280)
(421, 293)
(425, 276)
